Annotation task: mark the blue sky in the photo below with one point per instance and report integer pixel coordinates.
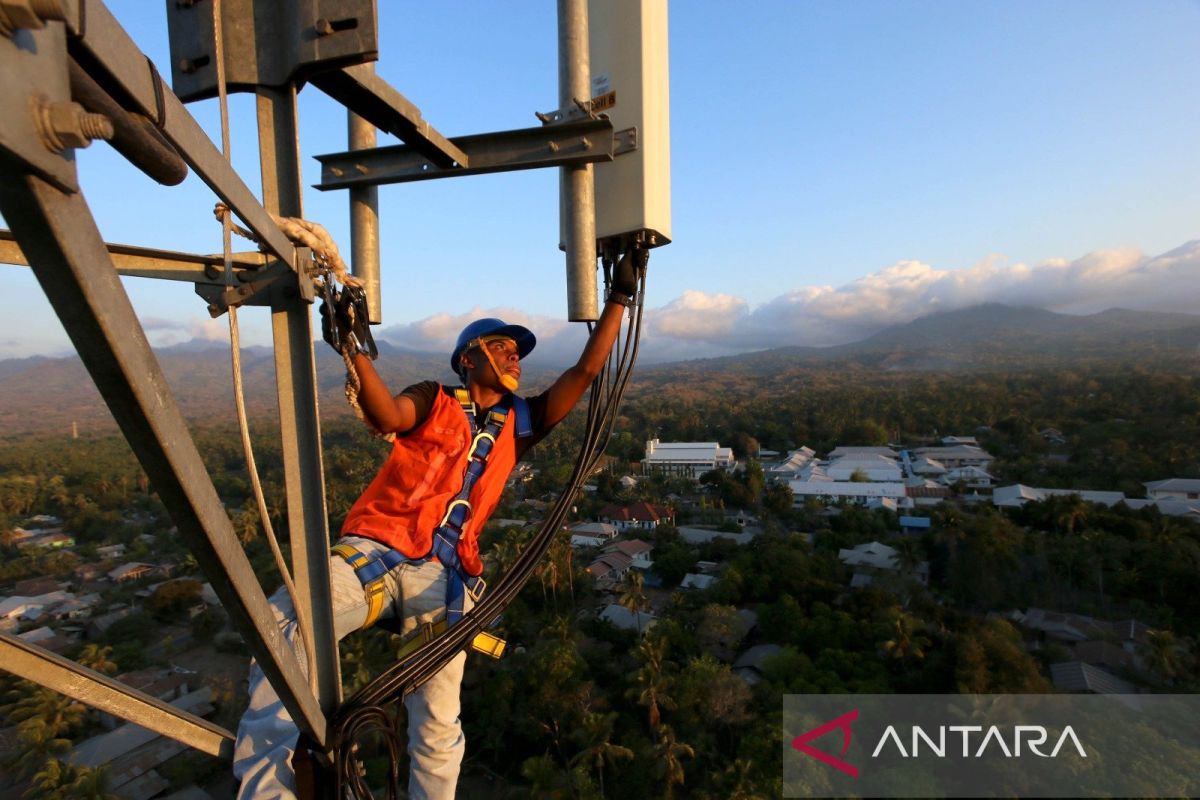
(836, 167)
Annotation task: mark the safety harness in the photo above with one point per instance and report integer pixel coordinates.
(372, 571)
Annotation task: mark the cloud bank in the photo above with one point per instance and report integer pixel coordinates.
(699, 325)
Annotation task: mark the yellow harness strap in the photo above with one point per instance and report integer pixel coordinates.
(483, 642)
(374, 592)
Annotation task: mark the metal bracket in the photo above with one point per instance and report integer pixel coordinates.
(559, 145)
(583, 109)
(267, 42)
(33, 75)
(625, 141)
(253, 289)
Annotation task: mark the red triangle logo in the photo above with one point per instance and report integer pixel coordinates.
(841, 723)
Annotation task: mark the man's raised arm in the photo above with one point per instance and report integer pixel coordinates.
(387, 413)
(571, 385)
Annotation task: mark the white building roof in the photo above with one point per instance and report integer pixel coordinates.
(871, 554)
(928, 466)
(625, 619)
(863, 452)
(693, 581)
(604, 530)
(955, 453)
(1171, 508)
(1186, 485)
(667, 452)
(1019, 494)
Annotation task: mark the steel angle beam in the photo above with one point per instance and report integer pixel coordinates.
(59, 235)
(567, 144)
(99, 41)
(63, 675)
(147, 262)
(369, 96)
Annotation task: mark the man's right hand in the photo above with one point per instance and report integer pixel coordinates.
(335, 326)
(625, 274)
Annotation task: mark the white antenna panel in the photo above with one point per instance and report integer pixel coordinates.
(628, 41)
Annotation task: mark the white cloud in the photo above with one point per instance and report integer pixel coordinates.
(699, 325)
(558, 342)
(826, 315)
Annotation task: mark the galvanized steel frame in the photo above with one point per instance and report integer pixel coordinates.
(54, 232)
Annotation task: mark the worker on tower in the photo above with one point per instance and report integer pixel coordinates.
(409, 550)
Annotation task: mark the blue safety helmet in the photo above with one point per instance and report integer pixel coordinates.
(490, 326)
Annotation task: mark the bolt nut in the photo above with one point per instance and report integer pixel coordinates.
(34, 14)
(323, 27)
(67, 125)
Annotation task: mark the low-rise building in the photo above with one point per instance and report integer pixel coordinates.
(698, 536)
(792, 466)
(692, 459)
(591, 534)
(640, 515)
(847, 491)
(873, 558)
(637, 550)
(749, 665)
(608, 570)
(133, 571)
(1019, 494)
(1174, 489)
(628, 620)
(961, 455)
(697, 581)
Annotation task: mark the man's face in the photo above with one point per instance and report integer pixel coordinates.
(502, 352)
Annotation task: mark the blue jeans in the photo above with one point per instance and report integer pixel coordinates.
(267, 736)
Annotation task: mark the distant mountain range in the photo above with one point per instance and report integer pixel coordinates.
(40, 395)
(989, 336)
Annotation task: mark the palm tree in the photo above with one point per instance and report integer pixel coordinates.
(1162, 652)
(545, 777)
(38, 741)
(598, 746)
(907, 640)
(668, 753)
(633, 595)
(96, 657)
(652, 682)
(1072, 510)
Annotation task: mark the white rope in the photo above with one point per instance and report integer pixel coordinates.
(303, 622)
(326, 258)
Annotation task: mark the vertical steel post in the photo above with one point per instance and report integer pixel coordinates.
(364, 221)
(296, 387)
(577, 201)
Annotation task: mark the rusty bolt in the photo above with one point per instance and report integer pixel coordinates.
(323, 27)
(15, 14)
(64, 125)
(553, 147)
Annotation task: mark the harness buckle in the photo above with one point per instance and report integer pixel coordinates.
(476, 593)
(450, 510)
(476, 441)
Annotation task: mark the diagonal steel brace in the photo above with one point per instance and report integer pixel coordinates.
(63, 675)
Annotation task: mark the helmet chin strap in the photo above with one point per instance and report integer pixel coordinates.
(506, 380)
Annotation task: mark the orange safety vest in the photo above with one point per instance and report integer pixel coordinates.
(408, 498)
